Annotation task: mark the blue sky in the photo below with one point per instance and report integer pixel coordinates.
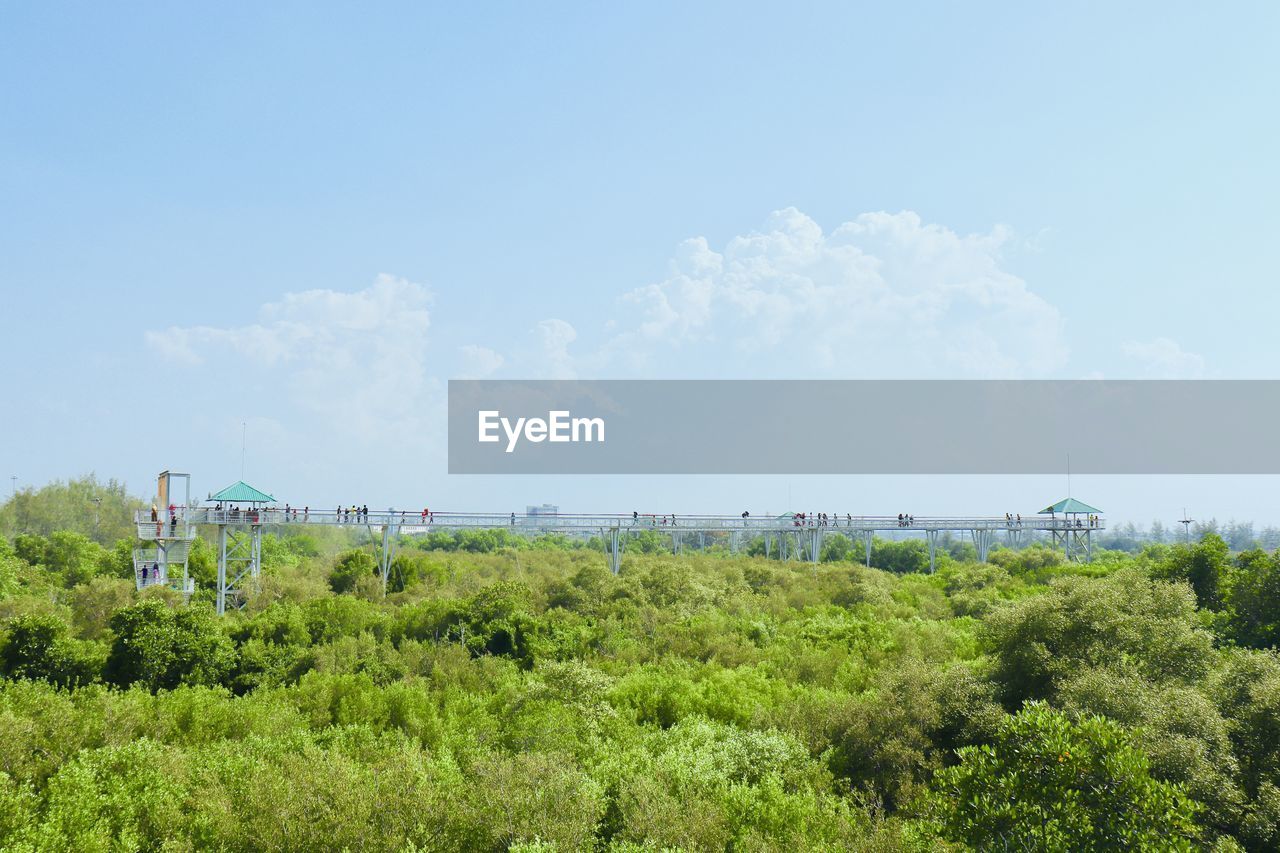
(308, 217)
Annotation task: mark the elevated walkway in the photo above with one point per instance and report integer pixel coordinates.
(409, 521)
(790, 534)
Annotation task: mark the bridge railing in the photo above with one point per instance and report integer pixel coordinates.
(185, 518)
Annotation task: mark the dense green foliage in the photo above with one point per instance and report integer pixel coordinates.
(1048, 783)
(100, 511)
(516, 695)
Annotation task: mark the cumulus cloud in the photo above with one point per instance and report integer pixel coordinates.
(883, 295)
(554, 338)
(479, 362)
(355, 360)
(1164, 358)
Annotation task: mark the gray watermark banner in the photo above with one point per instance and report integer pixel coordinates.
(864, 426)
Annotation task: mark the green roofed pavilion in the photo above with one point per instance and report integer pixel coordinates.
(242, 492)
(1069, 506)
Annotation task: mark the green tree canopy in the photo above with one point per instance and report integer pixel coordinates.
(1083, 623)
(1205, 565)
(1048, 783)
(39, 646)
(1253, 600)
(349, 568)
(100, 511)
(161, 648)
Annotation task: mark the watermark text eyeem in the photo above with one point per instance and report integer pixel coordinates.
(558, 426)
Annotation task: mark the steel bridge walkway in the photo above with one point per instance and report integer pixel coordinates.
(789, 536)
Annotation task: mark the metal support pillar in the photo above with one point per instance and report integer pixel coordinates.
(932, 537)
(615, 551)
(222, 569)
(255, 567)
(815, 544)
(239, 557)
(867, 536)
(385, 554)
(981, 543)
(1075, 542)
(162, 560)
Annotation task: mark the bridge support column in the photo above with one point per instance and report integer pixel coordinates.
(867, 536)
(239, 557)
(615, 551)
(815, 544)
(981, 543)
(386, 553)
(932, 537)
(1064, 538)
(222, 569)
(162, 560)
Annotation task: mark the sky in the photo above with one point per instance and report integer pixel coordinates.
(282, 228)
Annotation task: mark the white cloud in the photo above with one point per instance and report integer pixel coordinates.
(351, 361)
(884, 295)
(1163, 358)
(348, 378)
(554, 337)
(479, 362)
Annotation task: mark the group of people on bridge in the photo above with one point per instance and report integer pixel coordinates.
(346, 514)
(653, 519)
(291, 513)
(819, 519)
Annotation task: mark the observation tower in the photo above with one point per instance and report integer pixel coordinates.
(166, 525)
(238, 514)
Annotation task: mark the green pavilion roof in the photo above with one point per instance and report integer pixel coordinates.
(242, 492)
(1069, 505)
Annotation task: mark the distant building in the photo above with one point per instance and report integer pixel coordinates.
(545, 509)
